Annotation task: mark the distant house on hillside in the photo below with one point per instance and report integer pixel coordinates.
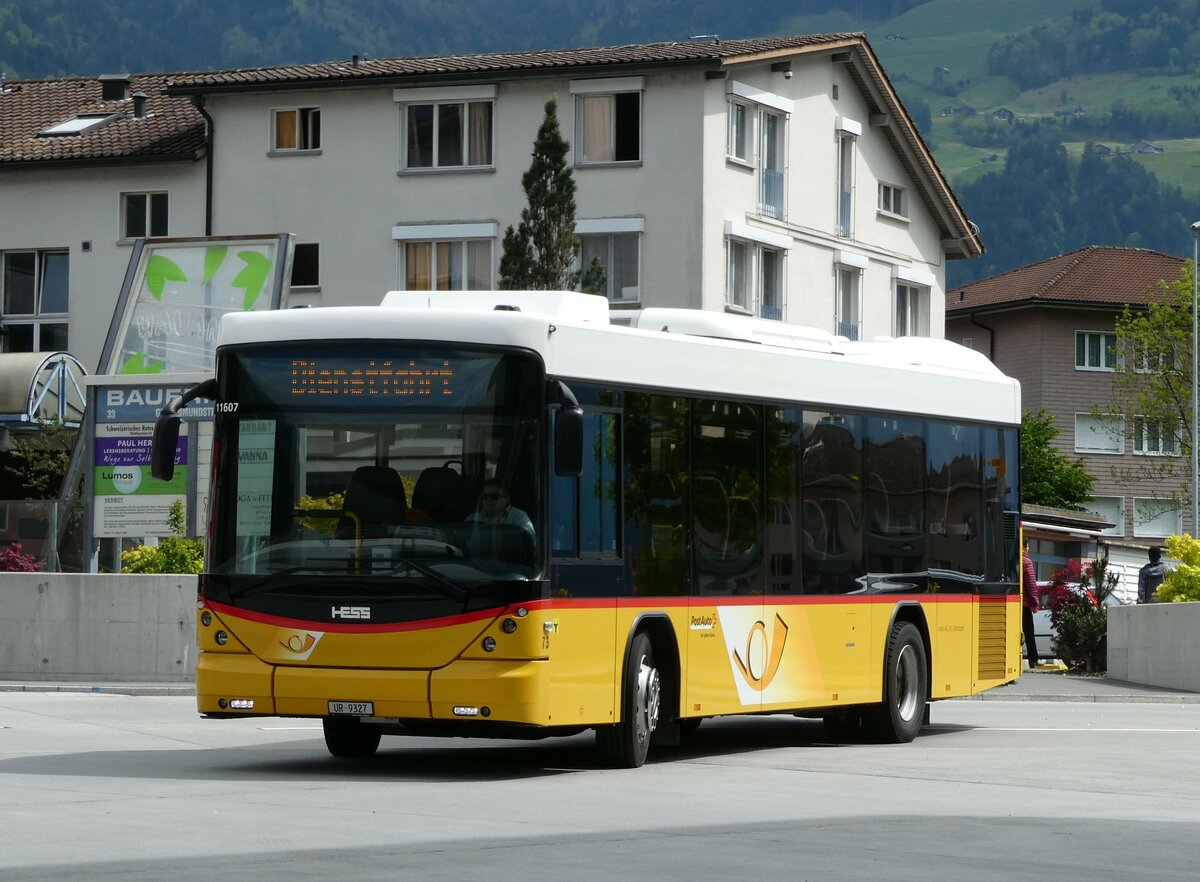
(1102, 149)
(1051, 325)
(1144, 146)
(1003, 114)
(1070, 110)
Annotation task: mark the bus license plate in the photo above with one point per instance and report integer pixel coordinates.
(352, 708)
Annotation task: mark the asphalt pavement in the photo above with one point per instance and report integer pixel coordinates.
(1047, 683)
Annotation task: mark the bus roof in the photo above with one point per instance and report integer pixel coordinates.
(683, 350)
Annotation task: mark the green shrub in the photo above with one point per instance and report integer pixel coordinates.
(1182, 582)
(1079, 613)
(175, 553)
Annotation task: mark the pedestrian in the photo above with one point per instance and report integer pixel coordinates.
(1030, 605)
(1150, 576)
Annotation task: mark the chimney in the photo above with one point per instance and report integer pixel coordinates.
(114, 87)
(139, 105)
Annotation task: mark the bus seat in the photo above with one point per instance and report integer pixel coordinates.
(438, 494)
(373, 505)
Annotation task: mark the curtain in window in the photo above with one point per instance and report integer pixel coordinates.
(479, 265)
(418, 271)
(480, 134)
(596, 113)
(285, 129)
(449, 266)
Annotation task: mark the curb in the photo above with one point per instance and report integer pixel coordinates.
(101, 689)
(1094, 698)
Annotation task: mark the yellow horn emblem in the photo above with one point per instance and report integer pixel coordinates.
(760, 679)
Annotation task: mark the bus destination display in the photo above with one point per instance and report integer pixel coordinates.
(390, 377)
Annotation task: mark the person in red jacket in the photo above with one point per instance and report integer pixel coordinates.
(1029, 596)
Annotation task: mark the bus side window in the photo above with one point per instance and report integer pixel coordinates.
(585, 509)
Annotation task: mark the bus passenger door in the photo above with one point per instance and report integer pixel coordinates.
(733, 648)
(586, 576)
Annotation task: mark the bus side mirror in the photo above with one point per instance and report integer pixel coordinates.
(568, 442)
(166, 430)
(162, 452)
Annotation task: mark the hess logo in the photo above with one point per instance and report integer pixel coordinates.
(759, 661)
(350, 612)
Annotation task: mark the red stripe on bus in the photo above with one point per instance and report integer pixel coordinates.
(346, 628)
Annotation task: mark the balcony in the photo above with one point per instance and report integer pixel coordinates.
(774, 313)
(848, 330)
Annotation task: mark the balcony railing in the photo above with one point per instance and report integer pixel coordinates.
(775, 313)
(848, 329)
(771, 198)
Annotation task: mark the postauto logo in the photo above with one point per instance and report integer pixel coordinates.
(755, 651)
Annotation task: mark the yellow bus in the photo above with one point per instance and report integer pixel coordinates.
(499, 514)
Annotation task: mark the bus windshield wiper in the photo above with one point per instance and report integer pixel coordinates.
(438, 582)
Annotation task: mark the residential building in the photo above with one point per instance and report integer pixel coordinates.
(87, 165)
(776, 177)
(1051, 326)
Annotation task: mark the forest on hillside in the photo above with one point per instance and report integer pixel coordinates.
(50, 38)
(1043, 203)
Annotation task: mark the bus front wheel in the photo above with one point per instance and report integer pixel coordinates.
(898, 718)
(350, 738)
(626, 744)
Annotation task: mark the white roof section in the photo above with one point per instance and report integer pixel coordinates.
(690, 351)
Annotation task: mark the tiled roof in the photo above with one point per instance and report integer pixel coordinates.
(171, 130)
(1096, 274)
(697, 52)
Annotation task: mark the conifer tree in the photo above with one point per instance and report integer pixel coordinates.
(541, 253)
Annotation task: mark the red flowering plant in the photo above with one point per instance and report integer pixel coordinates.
(1078, 602)
(12, 560)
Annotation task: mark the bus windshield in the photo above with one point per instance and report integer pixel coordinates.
(415, 465)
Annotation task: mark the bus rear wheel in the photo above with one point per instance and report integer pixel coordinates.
(350, 738)
(898, 719)
(626, 744)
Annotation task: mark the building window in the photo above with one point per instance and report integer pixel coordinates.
(771, 166)
(1156, 517)
(449, 134)
(968, 342)
(34, 292)
(143, 214)
(845, 184)
(1112, 509)
(754, 279)
(1099, 434)
(608, 128)
(847, 312)
(619, 254)
(770, 283)
(296, 129)
(306, 265)
(912, 311)
(1095, 351)
(1155, 437)
(738, 144)
(737, 286)
(893, 200)
(447, 265)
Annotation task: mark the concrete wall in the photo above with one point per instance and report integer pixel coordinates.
(1155, 644)
(89, 627)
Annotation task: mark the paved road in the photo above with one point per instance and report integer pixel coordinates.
(111, 786)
